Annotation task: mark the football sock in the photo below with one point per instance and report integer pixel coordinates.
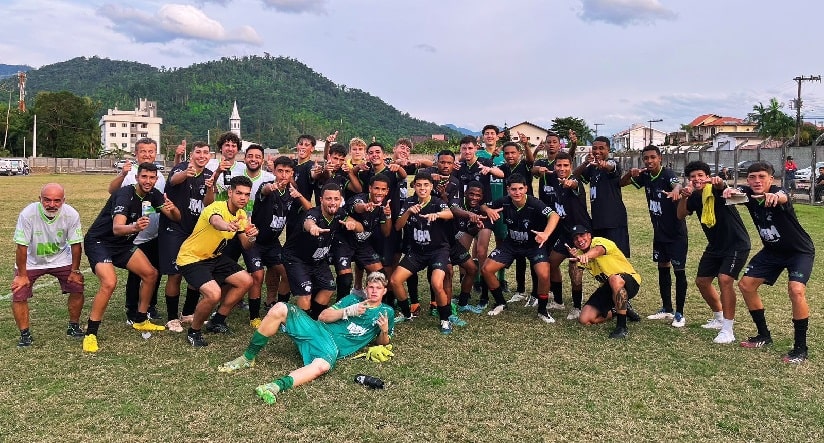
(520, 274)
(254, 308)
(92, 327)
(760, 322)
(344, 284)
(257, 343)
(557, 289)
(171, 306)
(680, 290)
(192, 297)
(800, 328)
(665, 287)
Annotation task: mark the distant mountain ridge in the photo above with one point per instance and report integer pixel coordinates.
(278, 99)
(463, 131)
(10, 70)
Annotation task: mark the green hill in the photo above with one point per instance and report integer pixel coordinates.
(278, 98)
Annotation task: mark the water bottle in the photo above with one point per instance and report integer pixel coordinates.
(146, 208)
(227, 176)
(369, 381)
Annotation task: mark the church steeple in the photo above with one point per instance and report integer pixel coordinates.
(234, 121)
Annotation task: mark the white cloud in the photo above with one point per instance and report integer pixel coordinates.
(297, 6)
(625, 12)
(174, 21)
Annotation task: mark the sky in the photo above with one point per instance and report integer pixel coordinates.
(470, 62)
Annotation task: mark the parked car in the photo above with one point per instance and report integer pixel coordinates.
(161, 166)
(743, 166)
(119, 164)
(803, 175)
(6, 168)
(716, 169)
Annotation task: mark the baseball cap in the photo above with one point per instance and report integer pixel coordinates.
(579, 229)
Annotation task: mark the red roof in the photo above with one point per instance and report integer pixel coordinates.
(701, 118)
(726, 121)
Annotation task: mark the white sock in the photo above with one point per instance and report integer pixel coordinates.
(718, 315)
(727, 326)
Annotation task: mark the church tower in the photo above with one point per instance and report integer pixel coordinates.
(234, 121)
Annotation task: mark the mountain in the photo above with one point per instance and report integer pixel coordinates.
(278, 99)
(9, 70)
(463, 131)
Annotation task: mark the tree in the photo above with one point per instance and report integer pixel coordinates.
(771, 121)
(562, 125)
(67, 125)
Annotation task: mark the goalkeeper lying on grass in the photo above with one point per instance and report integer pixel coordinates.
(340, 330)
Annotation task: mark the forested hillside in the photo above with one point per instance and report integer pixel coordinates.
(278, 98)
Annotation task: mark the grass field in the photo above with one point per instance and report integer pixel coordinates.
(497, 379)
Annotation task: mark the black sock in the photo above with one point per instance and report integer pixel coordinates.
(403, 305)
(25, 332)
(192, 297)
(520, 274)
(680, 290)
(192, 331)
(577, 297)
(389, 299)
(316, 309)
(344, 284)
(621, 320)
(92, 327)
(444, 312)
(463, 298)
(484, 299)
(412, 288)
(284, 298)
(132, 293)
(171, 306)
(498, 295)
(665, 287)
(218, 318)
(543, 300)
(140, 317)
(800, 328)
(254, 308)
(557, 288)
(760, 323)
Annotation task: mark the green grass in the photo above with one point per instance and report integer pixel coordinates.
(497, 379)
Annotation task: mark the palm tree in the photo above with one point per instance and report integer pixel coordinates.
(771, 121)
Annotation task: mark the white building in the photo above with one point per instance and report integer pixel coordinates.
(636, 137)
(119, 130)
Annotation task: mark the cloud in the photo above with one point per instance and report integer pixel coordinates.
(426, 48)
(297, 6)
(625, 12)
(173, 21)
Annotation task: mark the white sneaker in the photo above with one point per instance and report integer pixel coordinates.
(496, 310)
(574, 313)
(174, 325)
(518, 296)
(661, 315)
(679, 321)
(552, 306)
(713, 323)
(724, 337)
(531, 302)
(546, 318)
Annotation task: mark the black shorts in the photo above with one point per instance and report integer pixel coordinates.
(560, 245)
(674, 252)
(415, 262)
(506, 253)
(619, 236)
(271, 254)
(251, 257)
(99, 252)
(769, 265)
(218, 269)
(170, 243)
(712, 264)
(602, 300)
(308, 278)
(343, 254)
(458, 255)
(390, 246)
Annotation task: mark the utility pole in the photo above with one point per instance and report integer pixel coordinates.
(798, 80)
(596, 128)
(651, 139)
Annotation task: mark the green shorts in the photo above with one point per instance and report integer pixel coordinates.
(311, 338)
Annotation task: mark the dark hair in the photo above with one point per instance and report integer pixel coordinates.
(515, 179)
(373, 144)
(601, 138)
(331, 186)
(651, 148)
(761, 166)
(552, 134)
(240, 180)
(228, 137)
(423, 176)
(200, 145)
(475, 184)
(146, 166)
(516, 145)
(307, 137)
(284, 161)
(446, 152)
(696, 165)
(468, 139)
(255, 146)
(379, 178)
(339, 149)
(497, 131)
(563, 156)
